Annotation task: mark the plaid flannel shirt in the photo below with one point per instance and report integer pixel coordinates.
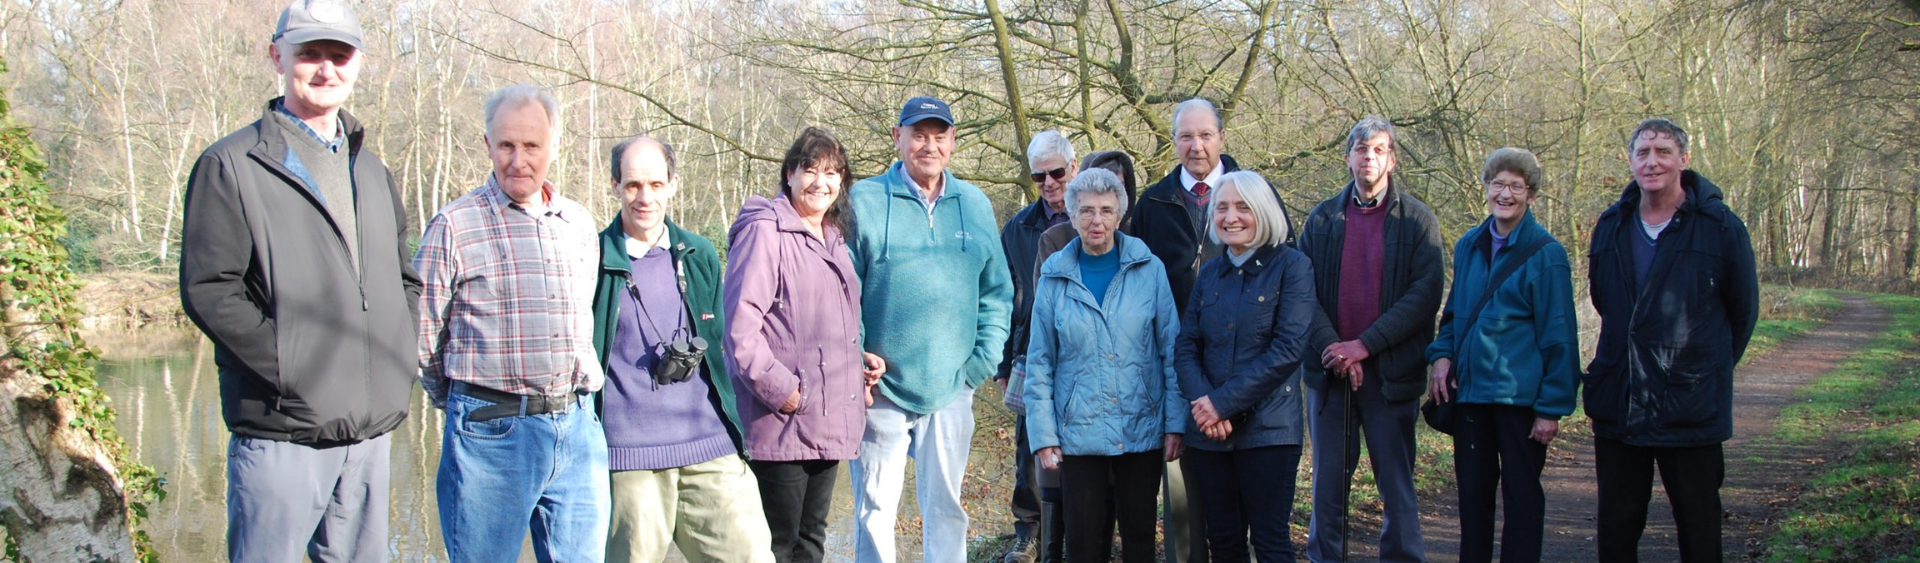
(507, 300)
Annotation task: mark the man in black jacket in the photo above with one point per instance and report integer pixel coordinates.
(293, 261)
(1050, 157)
(1171, 218)
(1672, 276)
(1378, 273)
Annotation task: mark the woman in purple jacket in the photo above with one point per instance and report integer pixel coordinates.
(793, 341)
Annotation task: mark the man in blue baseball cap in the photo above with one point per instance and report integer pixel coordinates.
(936, 298)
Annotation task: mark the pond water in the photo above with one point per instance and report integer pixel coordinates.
(167, 391)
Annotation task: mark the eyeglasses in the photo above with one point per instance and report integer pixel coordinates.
(1376, 151)
(1204, 136)
(1514, 188)
(1057, 174)
(1091, 212)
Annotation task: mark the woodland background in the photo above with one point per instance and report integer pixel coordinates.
(1807, 112)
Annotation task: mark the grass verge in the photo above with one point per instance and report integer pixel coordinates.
(1786, 312)
(1862, 505)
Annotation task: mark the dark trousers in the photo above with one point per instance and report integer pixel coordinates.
(1026, 499)
(1130, 482)
(1248, 495)
(1692, 477)
(1493, 453)
(1387, 426)
(797, 497)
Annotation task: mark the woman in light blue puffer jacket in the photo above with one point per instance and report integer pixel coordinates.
(1103, 404)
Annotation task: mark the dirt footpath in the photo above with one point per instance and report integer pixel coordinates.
(1763, 477)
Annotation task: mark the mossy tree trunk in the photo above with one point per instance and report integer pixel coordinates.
(68, 489)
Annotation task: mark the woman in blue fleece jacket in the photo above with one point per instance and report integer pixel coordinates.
(1514, 370)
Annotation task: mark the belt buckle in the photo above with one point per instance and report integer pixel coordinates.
(559, 404)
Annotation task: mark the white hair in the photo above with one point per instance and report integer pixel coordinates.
(1270, 225)
(1047, 145)
(1096, 181)
(1197, 103)
(521, 95)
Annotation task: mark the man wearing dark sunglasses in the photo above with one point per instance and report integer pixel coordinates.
(1050, 158)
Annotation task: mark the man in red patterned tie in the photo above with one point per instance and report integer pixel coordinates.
(1171, 218)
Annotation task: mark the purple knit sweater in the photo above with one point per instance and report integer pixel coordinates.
(1363, 257)
(653, 426)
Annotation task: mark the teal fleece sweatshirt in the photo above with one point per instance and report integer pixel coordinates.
(936, 297)
(1525, 349)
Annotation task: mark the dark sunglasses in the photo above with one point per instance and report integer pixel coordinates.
(1057, 174)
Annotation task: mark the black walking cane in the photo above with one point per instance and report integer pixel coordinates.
(1346, 464)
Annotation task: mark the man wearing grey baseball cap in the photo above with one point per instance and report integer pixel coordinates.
(295, 263)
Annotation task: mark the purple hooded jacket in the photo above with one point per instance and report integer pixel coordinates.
(793, 322)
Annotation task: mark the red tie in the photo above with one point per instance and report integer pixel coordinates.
(1200, 190)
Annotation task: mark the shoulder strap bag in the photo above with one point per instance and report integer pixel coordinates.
(1445, 417)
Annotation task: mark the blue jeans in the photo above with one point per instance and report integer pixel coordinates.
(500, 477)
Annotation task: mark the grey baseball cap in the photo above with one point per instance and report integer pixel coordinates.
(315, 20)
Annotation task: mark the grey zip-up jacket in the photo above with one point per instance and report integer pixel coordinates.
(309, 351)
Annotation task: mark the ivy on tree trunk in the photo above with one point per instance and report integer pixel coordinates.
(71, 490)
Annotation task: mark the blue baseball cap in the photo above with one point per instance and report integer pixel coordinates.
(924, 108)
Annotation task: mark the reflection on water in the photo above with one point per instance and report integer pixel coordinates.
(168, 394)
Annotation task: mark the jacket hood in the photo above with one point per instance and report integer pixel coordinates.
(779, 210)
(1701, 193)
(896, 183)
(1066, 262)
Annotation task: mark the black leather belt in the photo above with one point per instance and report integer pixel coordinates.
(508, 404)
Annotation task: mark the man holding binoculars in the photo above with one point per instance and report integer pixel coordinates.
(673, 435)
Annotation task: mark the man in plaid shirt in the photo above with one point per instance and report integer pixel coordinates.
(506, 327)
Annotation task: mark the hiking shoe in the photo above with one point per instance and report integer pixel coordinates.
(1023, 551)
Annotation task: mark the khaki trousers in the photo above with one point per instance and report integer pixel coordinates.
(710, 510)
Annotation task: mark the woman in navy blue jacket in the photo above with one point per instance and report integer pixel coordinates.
(1238, 359)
